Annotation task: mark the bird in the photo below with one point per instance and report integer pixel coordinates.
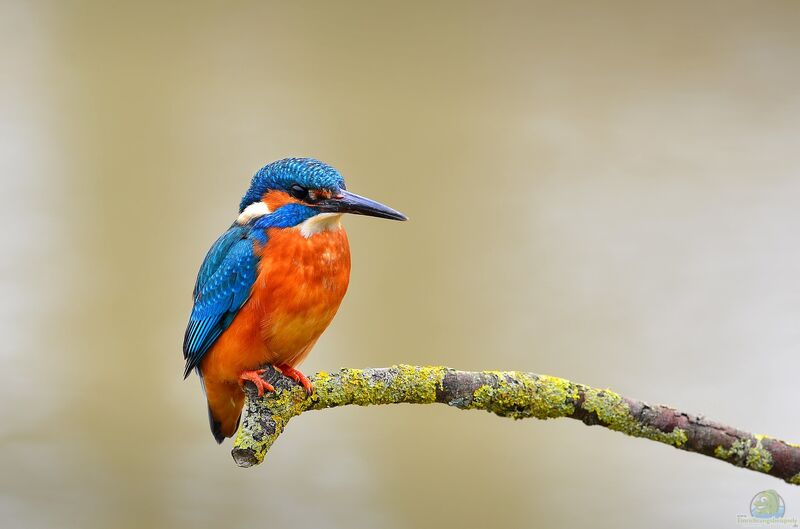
(271, 284)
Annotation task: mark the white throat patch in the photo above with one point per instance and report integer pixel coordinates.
(254, 210)
(319, 223)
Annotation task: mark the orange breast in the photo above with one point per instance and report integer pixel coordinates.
(301, 282)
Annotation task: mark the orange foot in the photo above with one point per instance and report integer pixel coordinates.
(255, 378)
(297, 376)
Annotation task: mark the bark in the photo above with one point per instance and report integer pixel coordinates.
(511, 394)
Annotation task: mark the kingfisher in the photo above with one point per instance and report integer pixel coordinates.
(272, 283)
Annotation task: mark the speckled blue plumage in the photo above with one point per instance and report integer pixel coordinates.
(281, 175)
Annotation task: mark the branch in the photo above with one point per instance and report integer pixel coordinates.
(507, 394)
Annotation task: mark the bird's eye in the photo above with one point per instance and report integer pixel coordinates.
(299, 192)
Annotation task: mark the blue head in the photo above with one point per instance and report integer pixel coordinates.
(296, 189)
(282, 175)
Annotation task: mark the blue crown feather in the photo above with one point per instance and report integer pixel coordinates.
(281, 175)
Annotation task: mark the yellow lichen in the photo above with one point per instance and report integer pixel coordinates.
(402, 383)
(416, 384)
(612, 411)
(559, 396)
(750, 452)
(520, 395)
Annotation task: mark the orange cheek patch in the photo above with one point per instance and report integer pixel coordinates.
(276, 199)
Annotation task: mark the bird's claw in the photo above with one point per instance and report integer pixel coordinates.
(297, 376)
(255, 377)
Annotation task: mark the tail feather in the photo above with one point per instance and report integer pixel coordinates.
(225, 403)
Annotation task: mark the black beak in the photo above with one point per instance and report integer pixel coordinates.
(347, 202)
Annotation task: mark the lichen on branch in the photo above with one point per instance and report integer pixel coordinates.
(511, 394)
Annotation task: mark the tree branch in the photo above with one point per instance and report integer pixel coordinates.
(507, 394)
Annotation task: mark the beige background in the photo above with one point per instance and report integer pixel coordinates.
(602, 191)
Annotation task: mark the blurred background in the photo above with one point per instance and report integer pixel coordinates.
(603, 192)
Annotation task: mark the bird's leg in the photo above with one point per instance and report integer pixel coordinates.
(297, 376)
(255, 377)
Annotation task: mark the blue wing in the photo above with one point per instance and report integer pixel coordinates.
(223, 285)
